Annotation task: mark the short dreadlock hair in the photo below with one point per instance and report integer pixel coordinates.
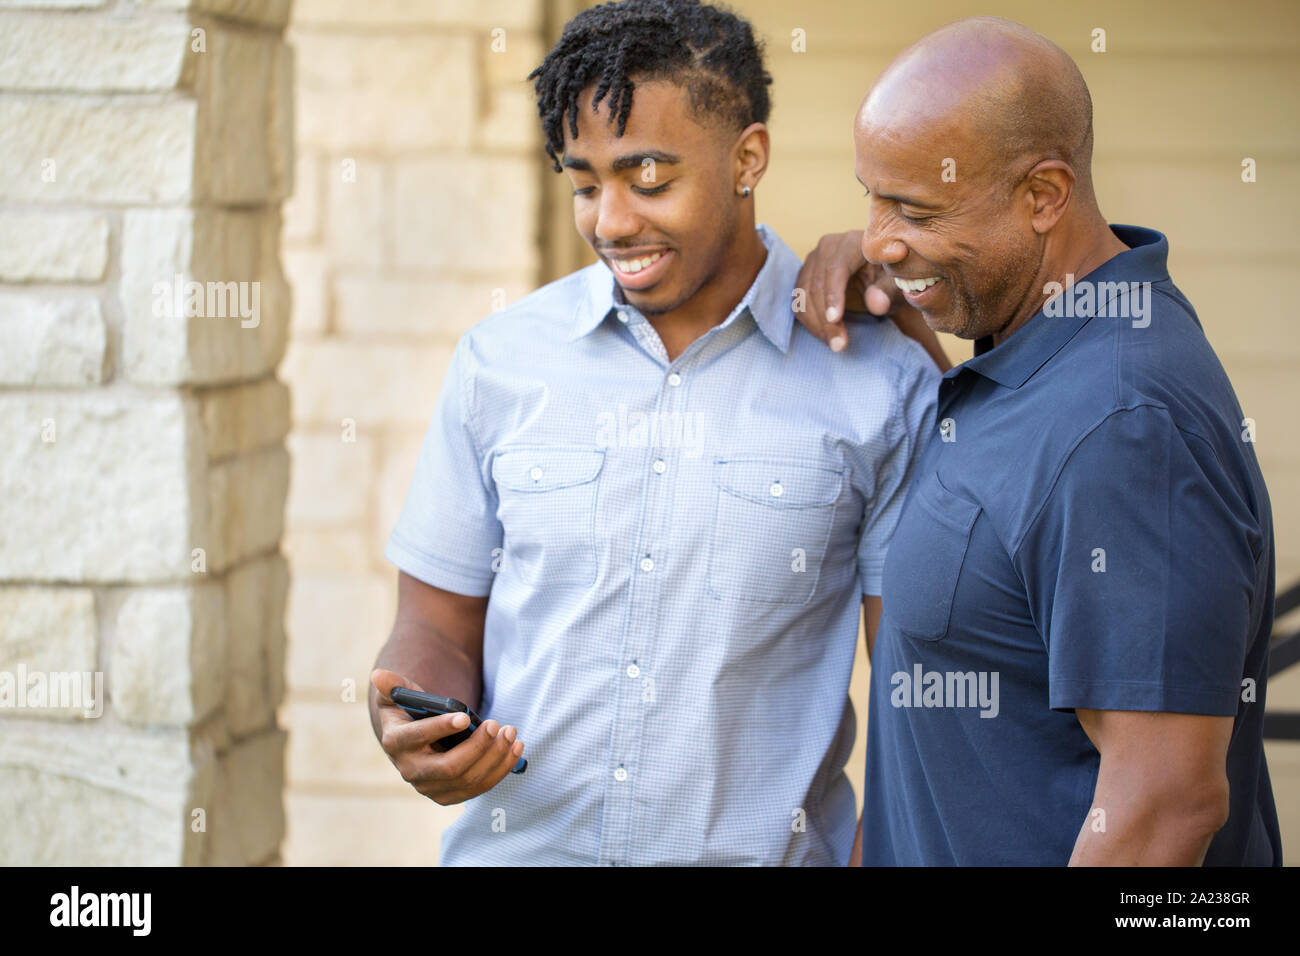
(707, 50)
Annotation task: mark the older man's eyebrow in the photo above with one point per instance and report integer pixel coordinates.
(903, 200)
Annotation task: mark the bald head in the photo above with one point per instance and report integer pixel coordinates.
(991, 89)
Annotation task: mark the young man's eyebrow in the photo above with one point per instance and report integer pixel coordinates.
(630, 161)
(636, 160)
(904, 200)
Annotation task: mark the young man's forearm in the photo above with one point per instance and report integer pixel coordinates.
(424, 657)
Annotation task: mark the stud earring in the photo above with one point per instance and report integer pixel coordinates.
(745, 192)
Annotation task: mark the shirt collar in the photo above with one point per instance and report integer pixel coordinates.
(768, 300)
(1015, 361)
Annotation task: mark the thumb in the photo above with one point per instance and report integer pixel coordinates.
(385, 680)
(878, 301)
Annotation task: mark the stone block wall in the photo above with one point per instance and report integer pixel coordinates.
(145, 150)
(417, 212)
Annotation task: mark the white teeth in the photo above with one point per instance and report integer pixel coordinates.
(631, 266)
(915, 285)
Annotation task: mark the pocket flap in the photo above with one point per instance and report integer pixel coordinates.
(546, 468)
(779, 482)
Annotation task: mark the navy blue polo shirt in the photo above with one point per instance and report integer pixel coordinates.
(1087, 528)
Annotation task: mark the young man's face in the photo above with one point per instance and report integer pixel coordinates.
(658, 204)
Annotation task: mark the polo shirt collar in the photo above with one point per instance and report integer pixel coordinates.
(768, 300)
(1015, 361)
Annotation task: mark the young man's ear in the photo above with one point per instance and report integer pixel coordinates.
(751, 154)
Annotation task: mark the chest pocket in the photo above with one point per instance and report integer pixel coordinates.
(925, 559)
(770, 528)
(547, 509)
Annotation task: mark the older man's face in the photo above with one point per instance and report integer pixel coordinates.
(944, 222)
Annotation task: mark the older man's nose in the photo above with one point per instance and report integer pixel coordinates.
(878, 244)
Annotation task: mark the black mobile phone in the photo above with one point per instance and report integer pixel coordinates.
(420, 705)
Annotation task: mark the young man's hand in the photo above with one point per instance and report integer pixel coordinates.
(468, 769)
(836, 278)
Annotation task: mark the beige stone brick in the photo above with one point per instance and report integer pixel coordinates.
(246, 496)
(332, 478)
(272, 13)
(373, 384)
(94, 53)
(240, 418)
(328, 549)
(396, 470)
(337, 624)
(302, 211)
(167, 659)
(73, 510)
(506, 13)
(99, 793)
(50, 632)
(214, 248)
(256, 592)
(53, 247)
(236, 88)
(305, 270)
(359, 211)
(246, 823)
(396, 92)
(510, 123)
(477, 213)
(398, 830)
(441, 308)
(97, 150)
(47, 340)
(333, 746)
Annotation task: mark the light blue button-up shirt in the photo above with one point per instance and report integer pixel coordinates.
(675, 554)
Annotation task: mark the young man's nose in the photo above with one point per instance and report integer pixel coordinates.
(616, 218)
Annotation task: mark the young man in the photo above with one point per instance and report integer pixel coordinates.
(638, 531)
(1078, 598)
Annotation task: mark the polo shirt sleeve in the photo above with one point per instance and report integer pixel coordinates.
(447, 532)
(1140, 568)
(912, 421)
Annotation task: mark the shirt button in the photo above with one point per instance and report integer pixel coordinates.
(620, 774)
(659, 466)
(674, 380)
(633, 671)
(622, 316)
(647, 564)
(535, 473)
(776, 489)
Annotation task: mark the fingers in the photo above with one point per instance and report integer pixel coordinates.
(484, 766)
(878, 300)
(384, 681)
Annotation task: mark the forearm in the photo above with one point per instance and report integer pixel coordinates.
(1123, 831)
(424, 656)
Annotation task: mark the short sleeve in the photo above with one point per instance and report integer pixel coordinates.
(447, 530)
(912, 422)
(1140, 569)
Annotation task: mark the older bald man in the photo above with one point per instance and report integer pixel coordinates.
(1078, 598)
